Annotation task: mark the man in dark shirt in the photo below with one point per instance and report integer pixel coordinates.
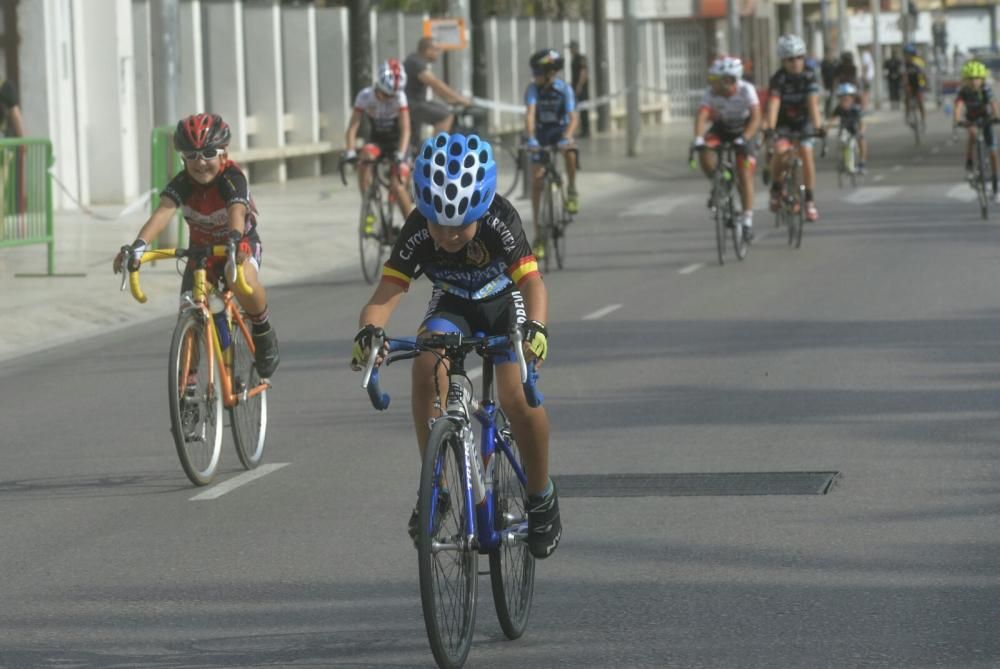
(580, 80)
(420, 77)
(894, 77)
(11, 125)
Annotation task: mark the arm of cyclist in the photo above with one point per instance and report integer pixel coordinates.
(442, 89)
(956, 116)
(773, 106)
(404, 134)
(536, 301)
(351, 136)
(529, 123)
(753, 124)
(700, 126)
(567, 137)
(374, 317)
(157, 223)
(814, 113)
(237, 230)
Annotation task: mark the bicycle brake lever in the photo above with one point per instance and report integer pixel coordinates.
(372, 357)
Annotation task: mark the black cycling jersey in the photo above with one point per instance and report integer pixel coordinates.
(850, 118)
(496, 260)
(977, 103)
(793, 90)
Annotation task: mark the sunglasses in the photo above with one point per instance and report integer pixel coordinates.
(205, 154)
(795, 58)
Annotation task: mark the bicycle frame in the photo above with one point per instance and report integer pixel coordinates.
(198, 301)
(477, 488)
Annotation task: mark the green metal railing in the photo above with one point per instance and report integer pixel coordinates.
(165, 164)
(26, 194)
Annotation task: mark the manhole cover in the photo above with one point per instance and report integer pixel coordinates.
(674, 485)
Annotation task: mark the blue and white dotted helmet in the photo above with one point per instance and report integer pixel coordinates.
(455, 179)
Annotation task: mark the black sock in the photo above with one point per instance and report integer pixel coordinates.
(994, 184)
(968, 165)
(809, 195)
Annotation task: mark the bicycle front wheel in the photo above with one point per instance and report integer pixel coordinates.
(447, 563)
(981, 162)
(557, 232)
(800, 217)
(195, 400)
(548, 221)
(248, 416)
(369, 242)
(512, 569)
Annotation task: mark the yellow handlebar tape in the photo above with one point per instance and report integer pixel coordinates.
(242, 286)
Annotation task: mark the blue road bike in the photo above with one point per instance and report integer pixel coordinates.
(471, 500)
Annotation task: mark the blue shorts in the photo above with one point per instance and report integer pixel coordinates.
(547, 136)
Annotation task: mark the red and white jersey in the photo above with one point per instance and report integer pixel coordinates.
(731, 112)
(384, 114)
(206, 207)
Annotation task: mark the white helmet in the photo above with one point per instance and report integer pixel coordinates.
(790, 46)
(846, 88)
(391, 77)
(726, 66)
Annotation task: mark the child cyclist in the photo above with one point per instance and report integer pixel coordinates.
(975, 98)
(469, 242)
(550, 120)
(848, 110)
(214, 196)
(732, 106)
(385, 106)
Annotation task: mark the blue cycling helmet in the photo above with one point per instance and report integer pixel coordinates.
(910, 49)
(455, 179)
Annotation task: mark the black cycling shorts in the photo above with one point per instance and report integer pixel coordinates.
(496, 315)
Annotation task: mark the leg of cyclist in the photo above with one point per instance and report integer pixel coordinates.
(369, 153)
(265, 339)
(970, 147)
(572, 203)
(745, 163)
(809, 178)
(779, 162)
(920, 105)
(538, 171)
(707, 160)
(398, 183)
(862, 149)
(988, 137)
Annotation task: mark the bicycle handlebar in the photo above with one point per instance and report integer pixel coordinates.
(411, 346)
(234, 272)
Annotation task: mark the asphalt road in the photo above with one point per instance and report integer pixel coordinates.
(872, 352)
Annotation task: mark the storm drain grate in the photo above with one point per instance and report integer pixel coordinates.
(712, 485)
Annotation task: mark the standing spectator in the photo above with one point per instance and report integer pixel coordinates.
(867, 77)
(894, 77)
(11, 125)
(957, 57)
(419, 78)
(580, 80)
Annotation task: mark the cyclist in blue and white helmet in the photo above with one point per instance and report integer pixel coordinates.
(469, 242)
(848, 111)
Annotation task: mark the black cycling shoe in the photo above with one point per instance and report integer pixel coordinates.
(544, 526)
(443, 507)
(266, 356)
(748, 235)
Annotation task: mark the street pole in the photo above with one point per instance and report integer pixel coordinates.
(797, 26)
(601, 62)
(904, 20)
(841, 26)
(361, 40)
(633, 119)
(170, 19)
(735, 35)
(824, 20)
(876, 54)
(460, 9)
(477, 42)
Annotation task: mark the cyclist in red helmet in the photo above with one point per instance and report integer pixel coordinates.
(213, 194)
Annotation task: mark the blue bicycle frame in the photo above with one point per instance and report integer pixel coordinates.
(478, 493)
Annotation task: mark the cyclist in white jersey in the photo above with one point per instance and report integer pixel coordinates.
(388, 115)
(731, 104)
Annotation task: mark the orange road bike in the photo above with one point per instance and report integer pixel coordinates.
(211, 367)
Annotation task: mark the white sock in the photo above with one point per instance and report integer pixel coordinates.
(747, 219)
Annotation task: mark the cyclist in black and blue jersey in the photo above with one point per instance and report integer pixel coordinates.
(976, 100)
(848, 110)
(793, 109)
(550, 121)
(468, 241)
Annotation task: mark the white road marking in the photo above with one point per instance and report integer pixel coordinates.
(691, 268)
(602, 312)
(878, 177)
(235, 482)
(871, 194)
(658, 206)
(962, 192)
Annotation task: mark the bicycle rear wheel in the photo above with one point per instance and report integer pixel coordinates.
(800, 216)
(981, 163)
(249, 416)
(512, 569)
(720, 219)
(557, 231)
(369, 242)
(195, 400)
(447, 564)
(740, 246)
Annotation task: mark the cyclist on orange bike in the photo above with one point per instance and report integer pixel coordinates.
(793, 107)
(214, 197)
(915, 80)
(385, 106)
(469, 242)
(976, 99)
(732, 105)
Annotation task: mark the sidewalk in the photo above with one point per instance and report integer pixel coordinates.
(43, 312)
